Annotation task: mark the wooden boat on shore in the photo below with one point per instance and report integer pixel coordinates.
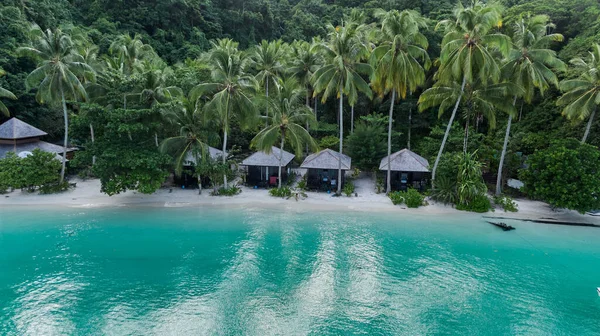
(503, 226)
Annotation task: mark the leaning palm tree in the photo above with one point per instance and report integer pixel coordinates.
(4, 93)
(530, 65)
(58, 74)
(582, 95)
(477, 99)
(468, 53)
(397, 61)
(286, 122)
(267, 59)
(195, 133)
(341, 73)
(231, 89)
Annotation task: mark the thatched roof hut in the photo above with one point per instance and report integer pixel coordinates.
(213, 152)
(405, 161)
(263, 159)
(21, 138)
(327, 159)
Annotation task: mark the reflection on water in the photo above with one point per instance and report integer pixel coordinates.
(257, 272)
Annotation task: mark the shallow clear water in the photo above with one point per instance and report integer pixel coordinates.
(264, 272)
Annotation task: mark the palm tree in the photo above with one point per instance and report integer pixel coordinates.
(231, 89)
(130, 51)
(396, 61)
(267, 60)
(582, 95)
(195, 133)
(58, 74)
(4, 93)
(468, 53)
(477, 99)
(341, 73)
(305, 61)
(286, 122)
(530, 65)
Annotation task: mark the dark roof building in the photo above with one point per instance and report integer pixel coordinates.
(21, 138)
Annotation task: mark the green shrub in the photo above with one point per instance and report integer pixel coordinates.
(348, 189)
(507, 203)
(330, 141)
(231, 191)
(479, 203)
(412, 198)
(283, 192)
(53, 188)
(302, 185)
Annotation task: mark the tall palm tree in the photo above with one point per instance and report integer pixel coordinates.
(195, 134)
(305, 61)
(286, 122)
(341, 73)
(582, 95)
(530, 65)
(231, 89)
(477, 99)
(397, 61)
(4, 93)
(58, 73)
(468, 53)
(130, 51)
(267, 59)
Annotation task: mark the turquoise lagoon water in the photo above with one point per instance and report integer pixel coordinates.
(189, 271)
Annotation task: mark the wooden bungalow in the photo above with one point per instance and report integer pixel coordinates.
(262, 169)
(21, 138)
(322, 169)
(408, 170)
(187, 179)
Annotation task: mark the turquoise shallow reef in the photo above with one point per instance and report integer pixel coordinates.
(157, 271)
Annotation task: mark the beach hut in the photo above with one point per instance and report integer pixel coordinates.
(262, 169)
(408, 170)
(322, 169)
(187, 179)
(21, 138)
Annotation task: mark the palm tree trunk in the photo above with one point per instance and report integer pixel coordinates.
(389, 148)
(589, 126)
(501, 165)
(316, 108)
(409, 126)
(156, 139)
(307, 125)
(466, 137)
(93, 140)
(199, 185)
(225, 158)
(437, 159)
(339, 181)
(280, 158)
(267, 102)
(351, 119)
(66, 118)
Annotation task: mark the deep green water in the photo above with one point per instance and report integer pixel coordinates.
(189, 271)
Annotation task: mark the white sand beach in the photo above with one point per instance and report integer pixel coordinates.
(87, 194)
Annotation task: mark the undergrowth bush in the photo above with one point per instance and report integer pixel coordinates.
(507, 203)
(283, 192)
(231, 191)
(412, 198)
(349, 189)
(480, 203)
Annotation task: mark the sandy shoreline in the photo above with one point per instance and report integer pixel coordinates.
(88, 195)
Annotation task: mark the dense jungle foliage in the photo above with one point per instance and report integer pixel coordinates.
(145, 82)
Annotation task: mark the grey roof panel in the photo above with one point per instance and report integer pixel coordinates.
(213, 152)
(29, 147)
(405, 160)
(269, 160)
(327, 159)
(17, 129)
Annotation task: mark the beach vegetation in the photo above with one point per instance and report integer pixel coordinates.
(284, 192)
(36, 171)
(411, 197)
(229, 191)
(565, 175)
(506, 202)
(349, 188)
